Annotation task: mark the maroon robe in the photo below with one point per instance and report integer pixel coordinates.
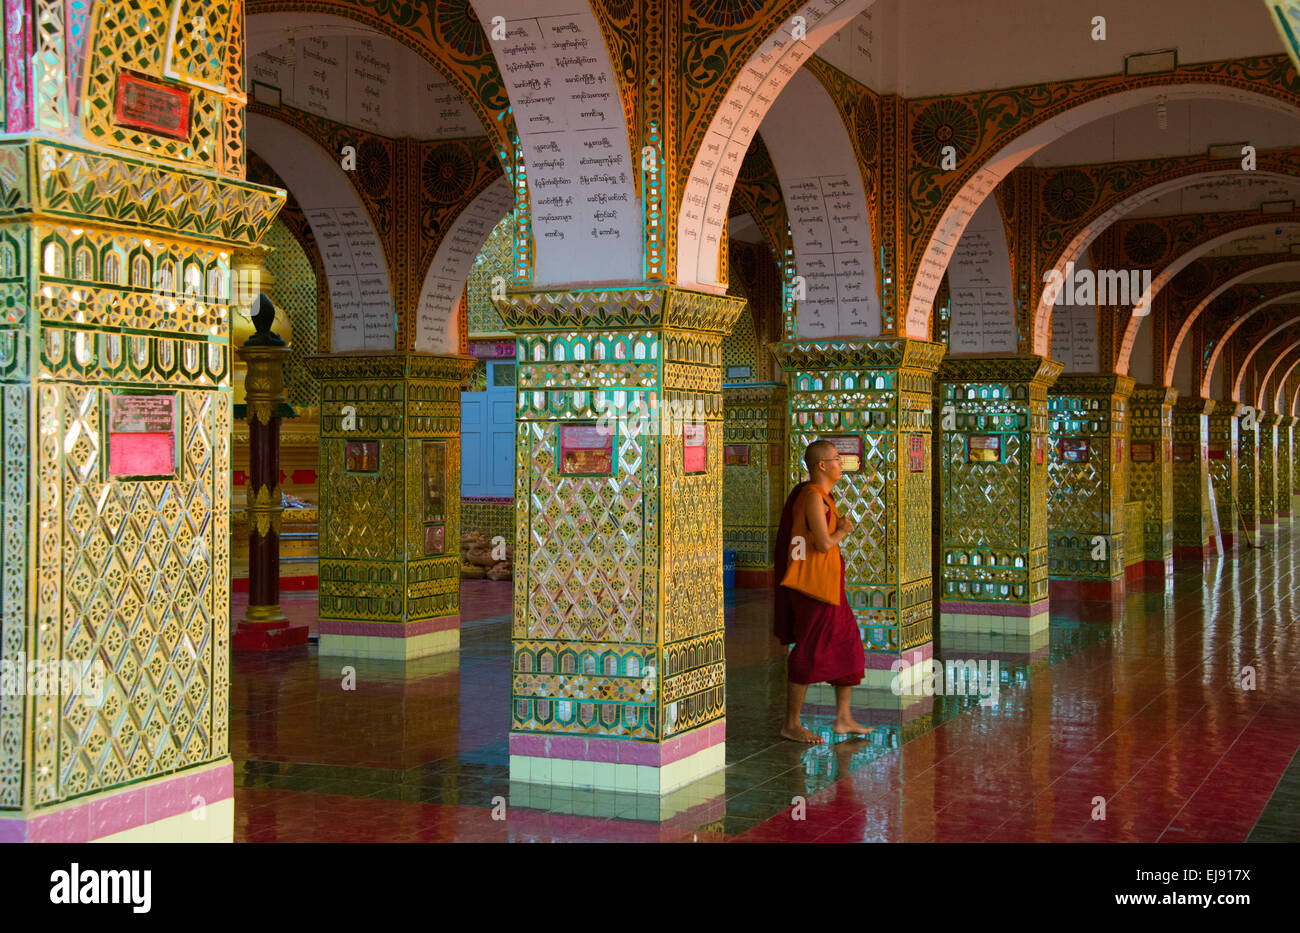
(827, 643)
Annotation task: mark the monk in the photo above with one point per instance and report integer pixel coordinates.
(827, 643)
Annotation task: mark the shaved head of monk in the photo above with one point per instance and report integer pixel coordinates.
(819, 455)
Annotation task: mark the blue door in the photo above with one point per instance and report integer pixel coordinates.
(487, 435)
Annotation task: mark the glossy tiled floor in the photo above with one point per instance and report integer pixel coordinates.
(1139, 703)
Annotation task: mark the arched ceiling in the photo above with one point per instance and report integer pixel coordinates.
(351, 74)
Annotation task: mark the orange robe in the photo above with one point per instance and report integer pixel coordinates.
(827, 642)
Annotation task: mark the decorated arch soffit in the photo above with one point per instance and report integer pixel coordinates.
(992, 132)
(733, 70)
(295, 221)
(1165, 246)
(356, 265)
(758, 194)
(830, 228)
(1273, 385)
(1202, 303)
(1235, 314)
(446, 35)
(1075, 204)
(430, 199)
(1245, 346)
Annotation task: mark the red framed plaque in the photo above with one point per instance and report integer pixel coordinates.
(776, 455)
(916, 453)
(1039, 444)
(1217, 453)
(849, 447)
(142, 435)
(1075, 450)
(695, 448)
(984, 448)
(735, 455)
(586, 450)
(1142, 451)
(1184, 453)
(156, 108)
(361, 457)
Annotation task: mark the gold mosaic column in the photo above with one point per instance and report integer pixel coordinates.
(1223, 452)
(115, 440)
(1087, 485)
(1247, 517)
(753, 477)
(993, 511)
(1193, 521)
(1267, 475)
(1151, 478)
(876, 397)
(618, 670)
(389, 482)
(1285, 424)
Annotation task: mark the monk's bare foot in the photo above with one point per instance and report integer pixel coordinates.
(851, 727)
(800, 734)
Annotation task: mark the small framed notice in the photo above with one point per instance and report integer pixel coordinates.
(916, 453)
(434, 539)
(586, 450)
(984, 448)
(435, 480)
(739, 372)
(1143, 451)
(1074, 450)
(141, 104)
(849, 447)
(361, 457)
(142, 435)
(1184, 453)
(1217, 453)
(735, 455)
(1039, 444)
(695, 448)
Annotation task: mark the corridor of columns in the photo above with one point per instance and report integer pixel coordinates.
(472, 539)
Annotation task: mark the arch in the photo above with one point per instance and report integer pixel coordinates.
(581, 177)
(356, 266)
(983, 315)
(1180, 339)
(1178, 265)
(702, 211)
(437, 326)
(1279, 392)
(1095, 226)
(1250, 355)
(463, 60)
(355, 58)
(1216, 354)
(827, 205)
(961, 206)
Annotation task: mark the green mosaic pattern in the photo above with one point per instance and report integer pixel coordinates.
(294, 291)
(495, 259)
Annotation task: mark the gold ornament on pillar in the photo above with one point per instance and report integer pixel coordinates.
(250, 278)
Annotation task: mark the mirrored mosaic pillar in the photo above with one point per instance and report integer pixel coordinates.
(618, 676)
(1223, 427)
(1151, 479)
(1285, 425)
(389, 481)
(874, 400)
(115, 441)
(1248, 471)
(1193, 520)
(753, 477)
(1267, 470)
(992, 572)
(1087, 485)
